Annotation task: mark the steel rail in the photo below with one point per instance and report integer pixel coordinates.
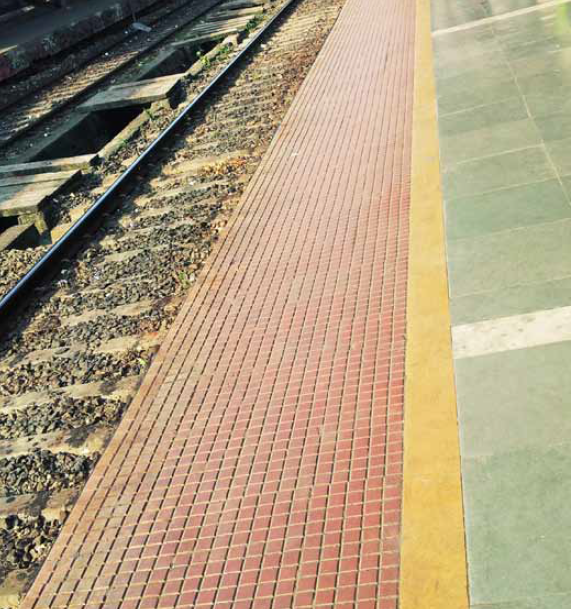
(47, 265)
(6, 143)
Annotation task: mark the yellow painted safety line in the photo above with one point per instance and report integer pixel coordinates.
(433, 556)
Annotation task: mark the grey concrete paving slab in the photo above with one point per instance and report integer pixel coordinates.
(472, 57)
(527, 400)
(465, 95)
(560, 154)
(531, 48)
(482, 117)
(542, 62)
(491, 173)
(506, 259)
(504, 102)
(555, 82)
(496, 139)
(508, 208)
(517, 506)
(554, 127)
(476, 77)
(553, 601)
(544, 104)
(515, 300)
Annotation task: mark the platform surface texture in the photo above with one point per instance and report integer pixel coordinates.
(364, 400)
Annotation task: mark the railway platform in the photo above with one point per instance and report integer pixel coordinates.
(363, 402)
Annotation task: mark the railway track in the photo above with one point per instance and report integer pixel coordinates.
(72, 128)
(75, 357)
(58, 82)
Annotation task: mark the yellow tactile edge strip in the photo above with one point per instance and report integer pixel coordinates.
(433, 557)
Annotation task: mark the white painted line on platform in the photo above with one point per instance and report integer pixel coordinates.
(487, 20)
(508, 333)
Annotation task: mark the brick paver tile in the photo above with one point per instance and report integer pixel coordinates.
(260, 465)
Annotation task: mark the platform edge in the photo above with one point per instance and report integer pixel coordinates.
(433, 555)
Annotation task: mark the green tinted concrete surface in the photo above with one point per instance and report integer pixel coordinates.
(507, 111)
(553, 61)
(516, 300)
(500, 210)
(527, 399)
(517, 513)
(560, 155)
(558, 83)
(448, 14)
(543, 104)
(513, 168)
(465, 95)
(556, 127)
(489, 141)
(473, 58)
(504, 107)
(507, 259)
(554, 601)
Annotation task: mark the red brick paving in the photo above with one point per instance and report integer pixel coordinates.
(260, 465)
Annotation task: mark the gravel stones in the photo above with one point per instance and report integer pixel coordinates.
(102, 329)
(81, 367)
(61, 412)
(114, 296)
(15, 263)
(42, 470)
(25, 540)
(171, 260)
